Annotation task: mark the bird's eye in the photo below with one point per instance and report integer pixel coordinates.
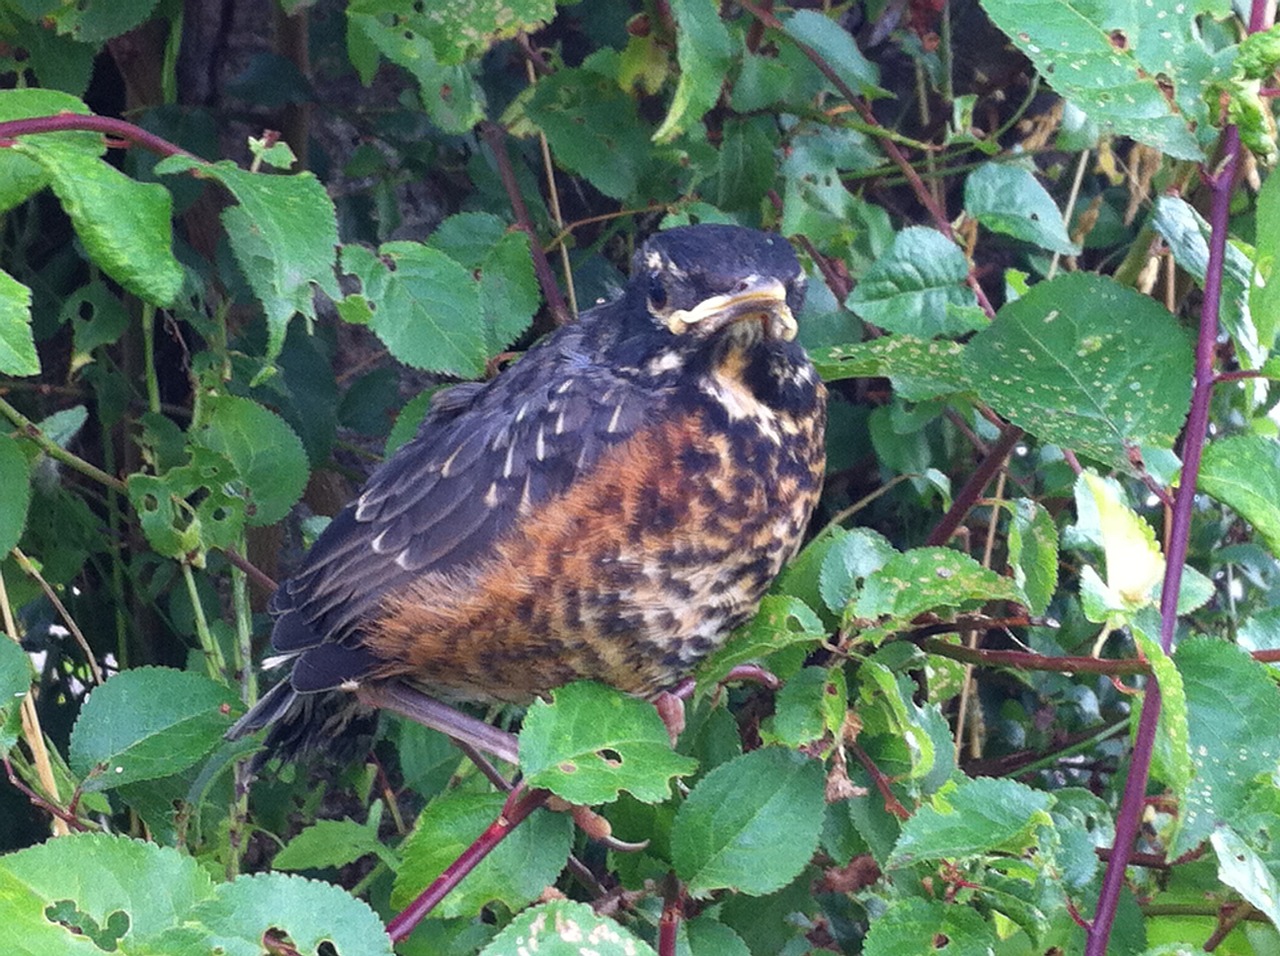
(657, 293)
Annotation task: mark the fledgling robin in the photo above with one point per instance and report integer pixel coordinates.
(608, 508)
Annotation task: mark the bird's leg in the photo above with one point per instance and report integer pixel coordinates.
(670, 703)
(670, 707)
(401, 699)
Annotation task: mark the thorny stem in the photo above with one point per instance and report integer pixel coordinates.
(1220, 184)
(519, 805)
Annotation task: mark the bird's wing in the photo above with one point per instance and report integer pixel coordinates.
(446, 498)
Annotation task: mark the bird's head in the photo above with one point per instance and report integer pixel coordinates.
(701, 284)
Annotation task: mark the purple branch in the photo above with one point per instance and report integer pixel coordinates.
(94, 124)
(518, 806)
(968, 495)
(1129, 818)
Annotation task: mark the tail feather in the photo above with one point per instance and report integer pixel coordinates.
(332, 722)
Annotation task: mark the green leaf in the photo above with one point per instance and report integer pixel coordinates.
(1187, 234)
(705, 53)
(885, 704)
(88, 892)
(124, 224)
(836, 46)
(15, 681)
(426, 309)
(1088, 364)
(17, 344)
(509, 292)
(920, 369)
(329, 843)
(1010, 200)
(1241, 868)
(96, 21)
(527, 861)
(21, 176)
(561, 928)
(1232, 742)
(977, 816)
(284, 234)
(462, 31)
(911, 926)
(592, 128)
(854, 554)
(266, 452)
(176, 527)
(15, 480)
(747, 166)
(1116, 62)
(1172, 758)
(781, 622)
(925, 579)
(96, 316)
(1033, 552)
(811, 703)
(750, 824)
(909, 288)
(592, 742)
(315, 917)
(1264, 296)
(1243, 472)
(449, 93)
(147, 723)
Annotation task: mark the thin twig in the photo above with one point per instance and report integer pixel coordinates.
(972, 490)
(496, 138)
(30, 569)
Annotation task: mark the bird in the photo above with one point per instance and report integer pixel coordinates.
(608, 508)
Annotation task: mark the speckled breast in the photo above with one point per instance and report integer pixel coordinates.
(640, 570)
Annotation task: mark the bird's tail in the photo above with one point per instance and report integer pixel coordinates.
(331, 722)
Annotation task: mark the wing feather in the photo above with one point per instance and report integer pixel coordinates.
(484, 453)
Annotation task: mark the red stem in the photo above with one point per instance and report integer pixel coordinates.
(518, 806)
(1129, 817)
(974, 487)
(94, 124)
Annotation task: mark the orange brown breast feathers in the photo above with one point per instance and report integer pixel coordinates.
(608, 508)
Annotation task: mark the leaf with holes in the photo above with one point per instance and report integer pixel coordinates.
(266, 452)
(187, 510)
(592, 742)
(1137, 68)
(1086, 363)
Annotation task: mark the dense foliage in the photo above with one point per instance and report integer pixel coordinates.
(1026, 695)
